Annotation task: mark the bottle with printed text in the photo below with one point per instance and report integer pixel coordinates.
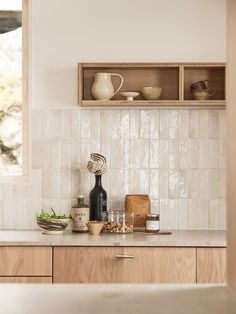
(80, 215)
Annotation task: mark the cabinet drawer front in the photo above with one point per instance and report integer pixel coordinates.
(124, 265)
(211, 265)
(25, 279)
(85, 264)
(25, 261)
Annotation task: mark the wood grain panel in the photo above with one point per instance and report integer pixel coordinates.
(85, 265)
(174, 78)
(135, 78)
(25, 261)
(175, 265)
(211, 265)
(139, 269)
(215, 76)
(149, 265)
(25, 279)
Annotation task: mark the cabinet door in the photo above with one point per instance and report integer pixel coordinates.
(124, 265)
(175, 265)
(25, 261)
(211, 265)
(25, 279)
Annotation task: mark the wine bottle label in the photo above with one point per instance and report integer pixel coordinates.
(80, 216)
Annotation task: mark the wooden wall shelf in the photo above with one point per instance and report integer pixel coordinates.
(174, 78)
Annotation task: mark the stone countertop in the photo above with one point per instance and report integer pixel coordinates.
(191, 238)
(116, 298)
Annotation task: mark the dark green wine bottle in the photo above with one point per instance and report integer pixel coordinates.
(98, 200)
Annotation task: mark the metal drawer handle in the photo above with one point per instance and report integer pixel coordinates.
(124, 256)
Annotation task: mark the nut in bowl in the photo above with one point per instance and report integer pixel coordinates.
(95, 227)
(52, 223)
(151, 93)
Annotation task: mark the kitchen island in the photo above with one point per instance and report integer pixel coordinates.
(102, 299)
(180, 257)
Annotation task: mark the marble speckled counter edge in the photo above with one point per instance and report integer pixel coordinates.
(190, 238)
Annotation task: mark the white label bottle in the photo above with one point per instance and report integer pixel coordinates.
(80, 215)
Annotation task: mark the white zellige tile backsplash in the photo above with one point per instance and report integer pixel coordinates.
(176, 156)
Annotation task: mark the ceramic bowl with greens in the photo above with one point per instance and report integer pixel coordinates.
(51, 223)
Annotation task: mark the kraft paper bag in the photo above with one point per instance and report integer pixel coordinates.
(140, 205)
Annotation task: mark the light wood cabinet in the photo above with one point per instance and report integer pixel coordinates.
(211, 265)
(25, 279)
(174, 79)
(124, 265)
(112, 265)
(25, 261)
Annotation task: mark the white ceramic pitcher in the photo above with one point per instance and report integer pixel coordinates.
(102, 88)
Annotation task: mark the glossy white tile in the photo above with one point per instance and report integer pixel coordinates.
(86, 124)
(66, 153)
(154, 153)
(66, 124)
(145, 124)
(184, 214)
(193, 185)
(213, 124)
(65, 183)
(134, 124)
(164, 124)
(183, 154)
(178, 157)
(115, 124)
(183, 183)
(193, 153)
(125, 124)
(154, 183)
(163, 183)
(163, 157)
(173, 154)
(213, 214)
(194, 124)
(76, 124)
(213, 153)
(154, 122)
(173, 184)
(95, 123)
(37, 154)
(57, 124)
(183, 124)
(173, 119)
(105, 118)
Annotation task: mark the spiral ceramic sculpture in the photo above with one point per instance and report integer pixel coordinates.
(97, 164)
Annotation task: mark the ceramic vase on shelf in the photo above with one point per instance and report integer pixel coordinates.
(102, 88)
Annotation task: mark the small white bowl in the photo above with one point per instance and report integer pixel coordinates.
(129, 95)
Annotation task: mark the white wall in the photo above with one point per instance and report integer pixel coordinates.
(65, 32)
(179, 154)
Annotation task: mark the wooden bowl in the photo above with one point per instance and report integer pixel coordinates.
(53, 226)
(95, 227)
